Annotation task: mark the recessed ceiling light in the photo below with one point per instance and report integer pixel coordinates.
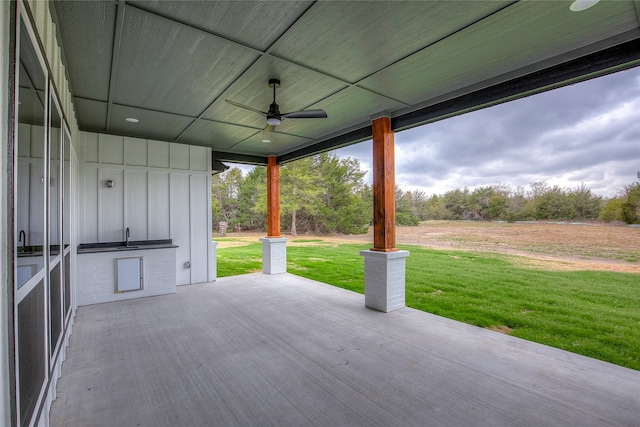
(580, 5)
(266, 141)
(132, 120)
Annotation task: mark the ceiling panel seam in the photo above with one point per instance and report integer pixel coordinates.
(197, 28)
(240, 125)
(129, 135)
(266, 52)
(423, 48)
(259, 52)
(239, 75)
(216, 98)
(286, 30)
(85, 98)
(356, 83)
(331, 76)
(243, 140)
(277, 133)
(636, 3)
(115, 55)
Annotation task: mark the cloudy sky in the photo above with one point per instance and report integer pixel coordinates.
(585, 133)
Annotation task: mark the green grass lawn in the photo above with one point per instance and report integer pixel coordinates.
(596, 314)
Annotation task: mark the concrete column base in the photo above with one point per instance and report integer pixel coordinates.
(384, 279)
(274, 255)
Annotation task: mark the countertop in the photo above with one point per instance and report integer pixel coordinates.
(138, 245)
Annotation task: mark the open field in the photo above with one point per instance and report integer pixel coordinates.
(549, 246)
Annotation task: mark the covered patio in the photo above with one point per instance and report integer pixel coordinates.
(283, 350)
(116, 114)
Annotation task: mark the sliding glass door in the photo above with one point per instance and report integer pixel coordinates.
(42, 226)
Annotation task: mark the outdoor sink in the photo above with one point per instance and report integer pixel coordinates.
(29, 251)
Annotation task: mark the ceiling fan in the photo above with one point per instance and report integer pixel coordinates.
(274, 116)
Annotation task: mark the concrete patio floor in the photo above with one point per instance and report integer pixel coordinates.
(286, 351)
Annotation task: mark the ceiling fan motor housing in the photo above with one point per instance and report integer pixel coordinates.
(274, 116)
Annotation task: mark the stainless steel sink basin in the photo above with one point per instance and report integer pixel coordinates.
(87, 248)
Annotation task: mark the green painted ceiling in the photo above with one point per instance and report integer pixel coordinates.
(172, 64)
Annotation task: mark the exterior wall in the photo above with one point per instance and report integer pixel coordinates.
(97, 275)
(47, 32)
(6, 248)
(38, 18)
(160, 191)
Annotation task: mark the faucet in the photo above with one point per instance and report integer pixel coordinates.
(22, 237)
(127, 236)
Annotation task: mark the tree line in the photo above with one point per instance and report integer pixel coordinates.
(321, 194)
(327, 194)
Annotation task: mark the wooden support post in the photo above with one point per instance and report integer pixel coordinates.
(273, 197)
(384, 200)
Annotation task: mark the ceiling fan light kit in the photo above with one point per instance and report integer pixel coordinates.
(274, 117)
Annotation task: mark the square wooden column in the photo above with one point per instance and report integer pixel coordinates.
(274, 247)
(384, 264)
(384, 191)
(273, 197)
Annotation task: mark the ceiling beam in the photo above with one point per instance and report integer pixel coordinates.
(239, 158)
(333, 143)
(617, 58)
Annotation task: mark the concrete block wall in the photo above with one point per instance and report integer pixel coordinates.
(97, 273)
(384, 279)
(274, 255)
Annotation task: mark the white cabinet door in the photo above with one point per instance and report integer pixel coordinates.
(129, 276)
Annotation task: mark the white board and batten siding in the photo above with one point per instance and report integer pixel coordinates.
(160, 190)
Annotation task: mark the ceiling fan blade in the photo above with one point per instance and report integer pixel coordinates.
(245, 107)
(268, 129)
(307, 114)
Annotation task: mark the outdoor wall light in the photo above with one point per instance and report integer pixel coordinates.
(110, 183)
